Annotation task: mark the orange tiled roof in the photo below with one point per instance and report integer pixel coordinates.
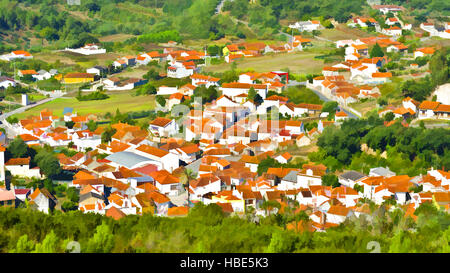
(429, 105)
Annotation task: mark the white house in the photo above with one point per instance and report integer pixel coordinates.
(163, 126)
(198, 79)
(180, 70)
(167, 160)
(18, 54)
(43, 199)
(42, 75)
(206, 183)
(234, 89)
(97, 70)
(166, 90)
(21, 167)
(338, 214)
(166, 183)
(6, 82)
(309, 25)
(89, 49)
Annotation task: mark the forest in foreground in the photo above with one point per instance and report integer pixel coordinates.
(207, 229)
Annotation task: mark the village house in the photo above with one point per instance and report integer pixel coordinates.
(17, 54)
(309, 25)
(163, 127)
(43, 199)
(6, 82)
(88, 49)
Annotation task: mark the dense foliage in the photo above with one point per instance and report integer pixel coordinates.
(96, 95)
(207, 229)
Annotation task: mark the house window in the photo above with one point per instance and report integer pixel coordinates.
(174, 187)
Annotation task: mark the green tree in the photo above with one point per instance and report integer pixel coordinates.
(18, 147)
(251, 93)
(267, 163)
(330, 180)
(281, 242)
(50, 244)
(161, 100)
(439, 66)
(107, 134)
(330, 106)
(103, 240)
(376, 51)
(92, 125)
(70, 124)
(24, 245)
(389, 116)
(48, 163)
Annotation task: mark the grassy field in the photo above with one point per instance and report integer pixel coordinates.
(343, 32)
(298, 63)
(437, 42)
(74, 58)
(364, 107)
(300, 94)
(123, 101)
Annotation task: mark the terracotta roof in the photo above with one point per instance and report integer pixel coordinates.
(21, 52)
(79, 75)
(115, 213)
(382, 75)
(243, 85)
(28, 72)
(164, 177)
(160, 121)
(443, 108)
(338, 210)
(28, 137)
(152, 150)
(429, 105)
(18, 161)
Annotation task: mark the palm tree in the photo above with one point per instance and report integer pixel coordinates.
(190, 175)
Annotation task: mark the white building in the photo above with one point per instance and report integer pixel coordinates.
(89, 49)
(309, 25)
(6, 82)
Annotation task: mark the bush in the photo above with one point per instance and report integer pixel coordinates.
(97, 95)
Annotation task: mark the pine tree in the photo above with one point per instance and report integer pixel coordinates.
(376, 51)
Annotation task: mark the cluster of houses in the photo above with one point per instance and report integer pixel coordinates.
(140, 176)
(439, 31)
(237, 51)
(396, 26)
(213, 153)
(39, 75)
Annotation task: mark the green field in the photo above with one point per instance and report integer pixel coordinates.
(122, 101)
(298, 63)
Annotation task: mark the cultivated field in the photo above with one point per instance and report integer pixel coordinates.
(297, 63)
(343, 32)
(123, 101)
(71, 58)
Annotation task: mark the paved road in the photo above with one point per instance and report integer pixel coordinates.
(10, 133)
(324, 98)
(52, 94)
(219, 6)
